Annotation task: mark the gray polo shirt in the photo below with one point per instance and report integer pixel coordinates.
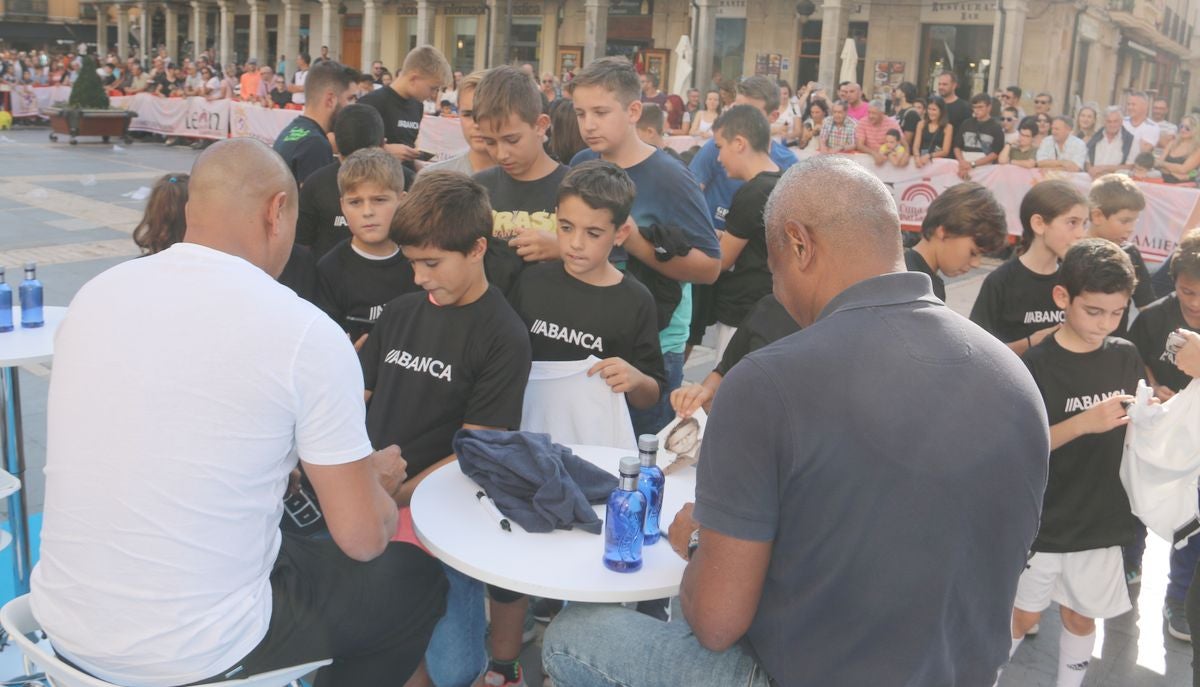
(896, 455)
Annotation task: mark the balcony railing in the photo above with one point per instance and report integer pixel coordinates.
(26, 9)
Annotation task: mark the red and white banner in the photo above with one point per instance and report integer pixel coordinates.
(248, 119)
(26, 101)
(187, 117)
(442, 136)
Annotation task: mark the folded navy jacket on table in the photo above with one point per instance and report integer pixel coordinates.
(539, 484)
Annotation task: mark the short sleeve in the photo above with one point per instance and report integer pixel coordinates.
(704, 165)
(1143, 293)
(688, 209)
(331, 422)
(745, 443)
(647, 351)
(1046, 150)
(499, 390)
(957, 141)
(328, 296)
(369, 355)
(745, 215)
(1141, 337)
(998, 141)
(737, 348)
(911, 120)
(987, 305)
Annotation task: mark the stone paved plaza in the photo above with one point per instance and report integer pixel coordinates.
(66, 208)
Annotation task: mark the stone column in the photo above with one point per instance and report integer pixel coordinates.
(595, 32)
(331, 29)
(289, 33)
(1011, 45)
(102, 30)
(706, 35)
(834, 27)
(370, 34)
(258, 34)
(144, 33)
(425, 17)
(199, 27)
(172, 28)
(498, 41)
(123, 32)
(225, 43)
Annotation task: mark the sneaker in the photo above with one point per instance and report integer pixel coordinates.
(544, 610)
(1176, 617)
(494, 679)
(1133, 574)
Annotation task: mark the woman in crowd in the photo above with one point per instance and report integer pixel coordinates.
(163, 222)
(1023, 153)
(703, 121)
(1181, 159)
(1043, 122)
(788, 117)
(565, 139)
(675, 110)
(934, 136)
(810, 131)
(1085, 122)
(211, 82)
(194, 83)
(450, 92)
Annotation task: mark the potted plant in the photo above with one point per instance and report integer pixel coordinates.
(87, 111)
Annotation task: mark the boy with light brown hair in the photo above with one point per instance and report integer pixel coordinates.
(401, 104)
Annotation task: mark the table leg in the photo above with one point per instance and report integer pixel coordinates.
(14, 463)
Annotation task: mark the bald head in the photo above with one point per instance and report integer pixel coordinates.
(830, 224)
(242, 200)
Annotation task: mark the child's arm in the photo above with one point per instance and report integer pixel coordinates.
(641, 389)
(899, 156)
(403, 495)
(1020, 346)
(689, 398)
(1095, 420)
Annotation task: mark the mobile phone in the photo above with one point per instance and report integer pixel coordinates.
(359, 323)
(425, 155)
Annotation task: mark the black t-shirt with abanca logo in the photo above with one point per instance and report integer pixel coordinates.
(401, 116)
(1015, 302)
(352, 284)
(433, 368)
(749, 279)
(568, 319)
(1149, 333)
(1085, 506)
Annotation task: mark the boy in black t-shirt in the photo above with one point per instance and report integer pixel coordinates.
(961, 224)
(456, 356)
(523, 186)
(401, 103)
(743, 139)
(360, 275)
(1086, 377)
(583, 305)
(1116, 201)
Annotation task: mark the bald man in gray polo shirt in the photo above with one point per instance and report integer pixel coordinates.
(868, 488)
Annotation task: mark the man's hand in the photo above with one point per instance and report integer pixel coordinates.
(680, 532)
(1104, 416)
(964, 170)
(1188, 357)
(401, 152)
(391, 468)
(535, 245)
(362, 341)
(619, 375)
(1041, 334)
(689, 398)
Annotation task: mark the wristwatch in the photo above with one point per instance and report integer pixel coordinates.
(693, 543)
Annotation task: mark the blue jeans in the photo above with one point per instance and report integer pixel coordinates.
(456, 655)
(609, 646)
(654, 418)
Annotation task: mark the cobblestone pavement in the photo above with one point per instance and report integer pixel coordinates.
(66, 208)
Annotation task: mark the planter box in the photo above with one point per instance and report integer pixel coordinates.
(77, 122)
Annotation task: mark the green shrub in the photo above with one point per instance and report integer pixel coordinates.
(88, 92)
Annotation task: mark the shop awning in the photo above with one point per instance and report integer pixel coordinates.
(17, 32)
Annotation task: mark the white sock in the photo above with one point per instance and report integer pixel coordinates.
(1016, 643)
(1074, 654)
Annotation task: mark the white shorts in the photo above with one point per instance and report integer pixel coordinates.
(1091, 583)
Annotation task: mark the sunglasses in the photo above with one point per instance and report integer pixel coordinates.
(1185, 128)
(1041, 102)
(1009, 119)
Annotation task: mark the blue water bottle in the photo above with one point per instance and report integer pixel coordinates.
(6, 323)
(31, 298)
(624, 520)
(651, 483)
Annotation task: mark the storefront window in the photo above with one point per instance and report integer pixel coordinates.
(462, 43)
(526, 37)
(962, 49)
(730, 49)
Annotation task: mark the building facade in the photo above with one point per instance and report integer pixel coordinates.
(1077, 50)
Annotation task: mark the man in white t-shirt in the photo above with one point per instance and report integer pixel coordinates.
(1145, 131)
(297, 87)
(186, 384)
(1167, 129)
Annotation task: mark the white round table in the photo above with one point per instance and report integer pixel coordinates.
(563, 564)
(19, 347)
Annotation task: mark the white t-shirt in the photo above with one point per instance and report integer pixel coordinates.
(298, 79)
(185, 385)
(1113, 152)
(1146, 132)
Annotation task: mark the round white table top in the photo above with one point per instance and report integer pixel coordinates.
(24, 346)
(563, 564)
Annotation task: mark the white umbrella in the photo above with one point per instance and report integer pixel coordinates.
(683, 64)
(849, 61)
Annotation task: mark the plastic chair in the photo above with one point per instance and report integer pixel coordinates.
(18, 622)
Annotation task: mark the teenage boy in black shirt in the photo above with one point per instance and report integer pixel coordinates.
(1116, 201)
(401, 104)
(320, 223)
(523, 186)
(1085, 377)
(961, 224)
(303, 144)
(456, 356)
(362, 274)
(979, 136)
(742, 135)
(584, 305)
